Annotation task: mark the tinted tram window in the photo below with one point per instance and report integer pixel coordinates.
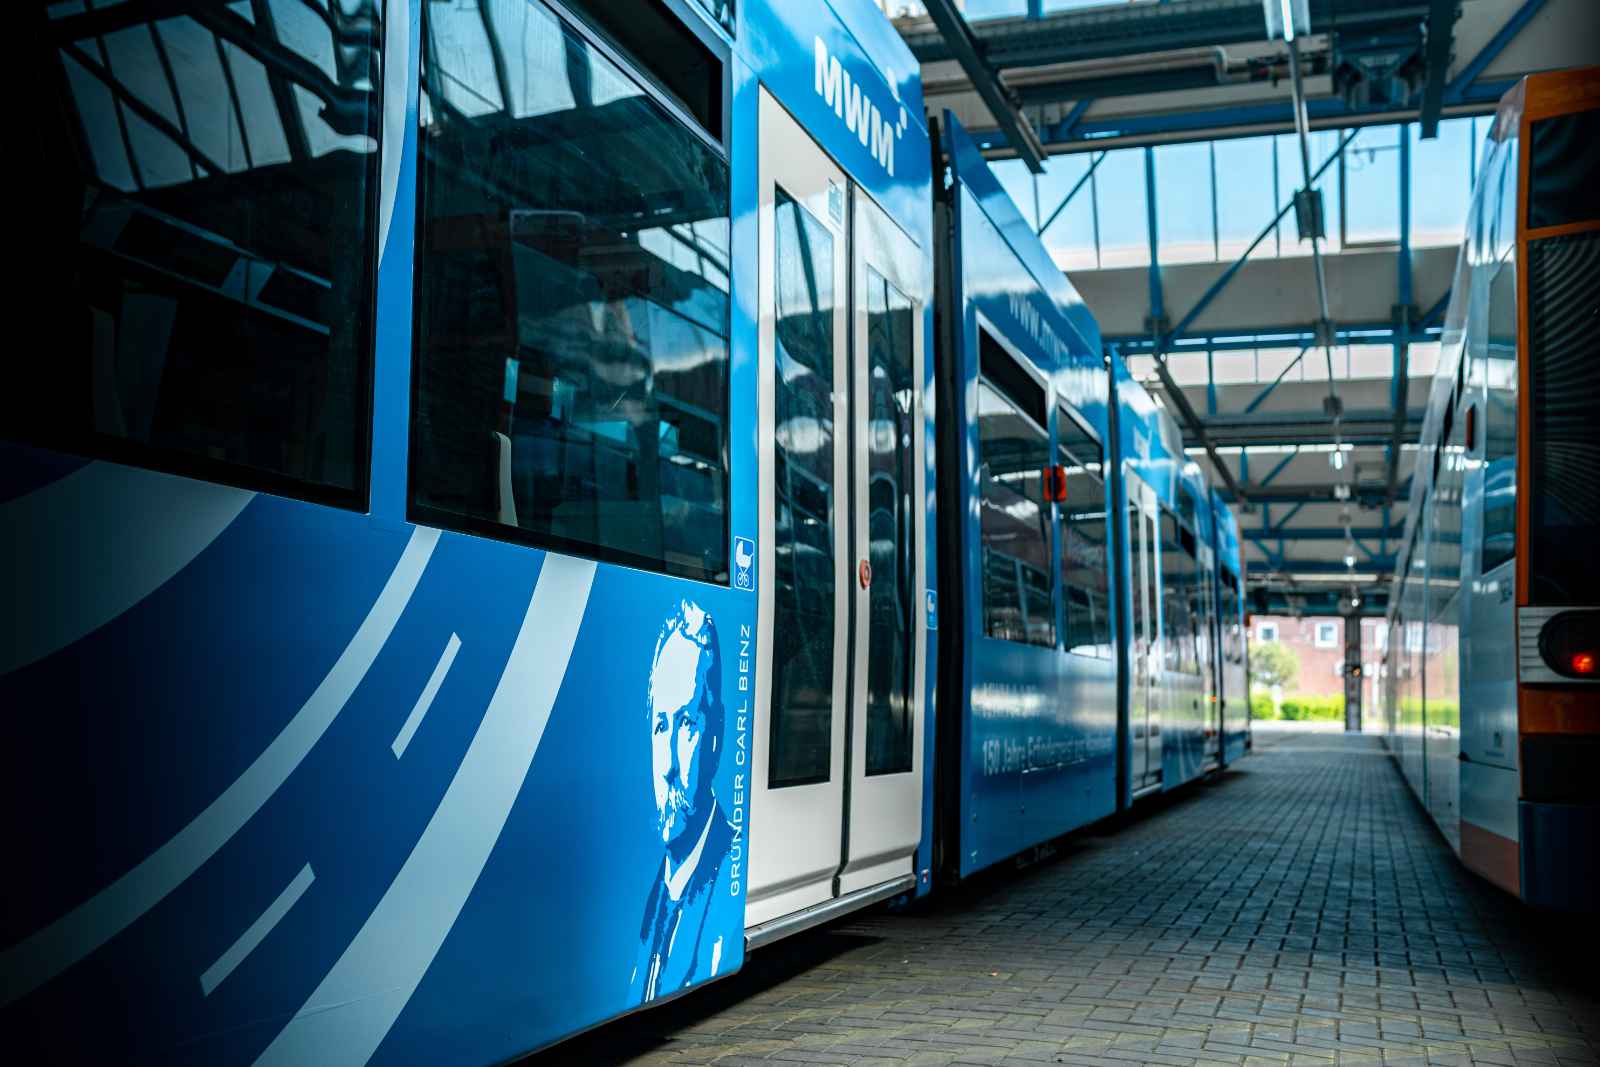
(669, 49)
(1179, 572)
(1141, 621)
(572, 290)
(803, 476)
(1564, 435)
(1232, 626)
(1085, 559)
(1562, 163)
(207, 178)
(1499, 514)
(1014, 533)
(891, 472)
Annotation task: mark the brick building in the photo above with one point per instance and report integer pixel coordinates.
(1318, 641)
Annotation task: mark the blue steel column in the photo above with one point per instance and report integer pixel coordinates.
(1211, 380)
(1403, 263)
(1402, 312)
(1216, 225)
(1157, 310)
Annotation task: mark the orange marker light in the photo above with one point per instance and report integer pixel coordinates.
(1583, 663)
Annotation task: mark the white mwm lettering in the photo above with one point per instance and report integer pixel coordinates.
(861, 116)
(1034, 324)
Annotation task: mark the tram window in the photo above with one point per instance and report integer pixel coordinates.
(572, 291)
(1013, 450)
(892, 472)
(207, 269)
(1179, 572)
(1232, 628)
(807, 512)
(1499, 514)
(1006, 376)
(1563, 159)
(1563, 434)
(1085, 566)
(666, 47)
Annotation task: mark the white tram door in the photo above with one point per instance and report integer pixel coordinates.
(1144, 721)
(836, 771)
(1205, 636)
(888, 526)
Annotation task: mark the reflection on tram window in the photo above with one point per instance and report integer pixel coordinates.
(1563, 435)
(1014, 532)
(1232, 626)
(1179, 574)
(724, 11)
(206, 175)
(572, 353)
(891, 472)
(1085, 562)
(803, 479)
(1499, 515)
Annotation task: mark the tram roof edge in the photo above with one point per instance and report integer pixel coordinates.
(971, 169)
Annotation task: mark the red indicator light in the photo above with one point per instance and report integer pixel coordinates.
(1583, 663)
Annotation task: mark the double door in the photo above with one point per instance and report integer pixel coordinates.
(1144, 657)
(1208, 646)
(836, 789)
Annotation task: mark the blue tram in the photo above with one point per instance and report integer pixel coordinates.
(476, 555)
(1233, 664)
(1492, 671)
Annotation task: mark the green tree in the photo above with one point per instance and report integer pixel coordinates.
(1274, 665)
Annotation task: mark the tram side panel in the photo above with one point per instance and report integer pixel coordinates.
(1205, 737)
(1558, 512)
(1489, 773)
(1233, 711)
(1029, 709)
(844, 208)
(1493, 742)
(401, 789)
(1167, 681)
(417, 729)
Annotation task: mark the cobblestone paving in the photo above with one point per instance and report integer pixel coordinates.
(1299, 910)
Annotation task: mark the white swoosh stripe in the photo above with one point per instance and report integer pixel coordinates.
(257, 932)
(79, 552)
(29, 964)
(345, 1020)
(425, 701)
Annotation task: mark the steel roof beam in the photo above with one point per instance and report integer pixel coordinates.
(1381, 566)
(1087, 174)
(1363, 333)
(1320, 533)
(1135, 29)
(998, 97)
(1199, 76)
(1158, 324)
(1361, 495)
(1358, 429)
(1442, 15)
(1491, 51)
(1197, 424)
(1227, 276)
(1238, 121)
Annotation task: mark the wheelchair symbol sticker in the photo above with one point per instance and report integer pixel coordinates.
(933, 609)
(744, 564)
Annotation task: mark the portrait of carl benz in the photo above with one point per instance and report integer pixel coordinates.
(680, 938)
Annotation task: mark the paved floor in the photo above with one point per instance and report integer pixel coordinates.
(1255, 920)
